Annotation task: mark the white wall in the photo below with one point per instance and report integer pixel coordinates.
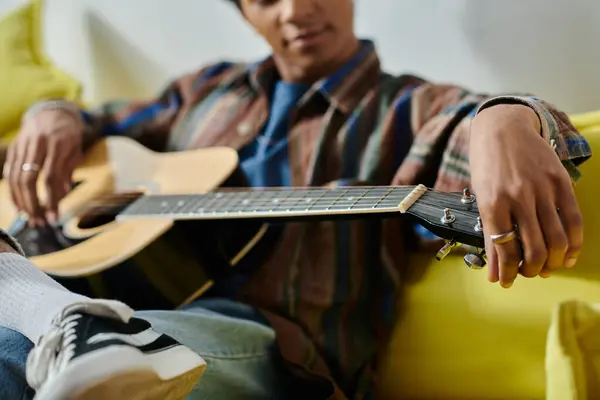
(119, 48)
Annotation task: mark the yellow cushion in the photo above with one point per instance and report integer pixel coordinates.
(461, 337)
(26, 74)
(587, 120)
(573, 352)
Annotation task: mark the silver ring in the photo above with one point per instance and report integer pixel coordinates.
(30, 167)
(503, 238)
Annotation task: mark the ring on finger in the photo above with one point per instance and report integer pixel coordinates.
(30, 167)
(503, 238)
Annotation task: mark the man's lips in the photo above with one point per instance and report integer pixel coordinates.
(309, 37)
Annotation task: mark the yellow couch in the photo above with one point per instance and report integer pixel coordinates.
(27, 75)
(461, 337)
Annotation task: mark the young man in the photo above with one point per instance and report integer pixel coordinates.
(310, 321)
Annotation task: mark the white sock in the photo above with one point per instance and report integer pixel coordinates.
(30, 299)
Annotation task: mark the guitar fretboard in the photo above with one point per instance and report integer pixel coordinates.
(270, 202)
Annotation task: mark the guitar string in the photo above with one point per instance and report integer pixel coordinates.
(99, 206)
(432, 206)
(291, 201)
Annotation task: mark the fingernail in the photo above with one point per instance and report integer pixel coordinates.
(570, 263)
(507, 285)
(545, 275)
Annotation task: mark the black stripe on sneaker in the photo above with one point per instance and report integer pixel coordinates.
(163, 342)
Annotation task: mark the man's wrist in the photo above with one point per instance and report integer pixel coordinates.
(517, 102)
(47, 105)
(517, 110)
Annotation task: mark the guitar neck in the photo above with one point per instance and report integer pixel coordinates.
(271, 203)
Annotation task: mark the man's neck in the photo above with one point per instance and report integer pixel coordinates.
(295, 73)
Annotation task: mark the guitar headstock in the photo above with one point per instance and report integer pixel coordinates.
(455, 218)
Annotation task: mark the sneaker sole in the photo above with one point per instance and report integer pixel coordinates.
(124, 372)
(142, 385)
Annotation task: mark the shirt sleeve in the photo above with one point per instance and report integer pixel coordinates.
(150, 122)
(440, 123)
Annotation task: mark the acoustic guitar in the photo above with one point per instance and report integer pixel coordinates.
(125, 197)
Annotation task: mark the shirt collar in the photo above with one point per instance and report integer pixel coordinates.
(344, 89)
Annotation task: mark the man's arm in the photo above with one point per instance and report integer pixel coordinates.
(510, 157)
(148, 122)
(442, 115)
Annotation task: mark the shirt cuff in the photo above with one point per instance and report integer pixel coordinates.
(546, 118)
(5, 237)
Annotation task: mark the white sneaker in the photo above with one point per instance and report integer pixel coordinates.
(95, 350)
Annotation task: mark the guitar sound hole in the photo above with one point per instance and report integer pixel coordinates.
(105, 209)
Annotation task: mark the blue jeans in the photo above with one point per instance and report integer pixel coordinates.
(239, 349)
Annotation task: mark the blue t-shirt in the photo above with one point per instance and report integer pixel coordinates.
(265, 160)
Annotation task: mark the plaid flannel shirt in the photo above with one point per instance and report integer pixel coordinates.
(329, 288)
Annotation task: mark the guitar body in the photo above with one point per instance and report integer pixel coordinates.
(88, 243)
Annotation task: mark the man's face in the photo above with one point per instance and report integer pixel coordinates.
(307, 33)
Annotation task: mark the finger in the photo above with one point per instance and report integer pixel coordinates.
(572, 221)
(56, 174)
(499, 221)
(35, 154)
(509, 258)
(7, 161)
(492, 259)
(72, 161)
(8, 170)
(532, 241)
(17, 161)
(554, 236)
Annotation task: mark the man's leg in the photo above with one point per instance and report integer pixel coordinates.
(239, 349)
(85, 348)
(85, 345)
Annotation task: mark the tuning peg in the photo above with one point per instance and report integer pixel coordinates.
(448, 217)
(445, 250)
(467, 197)
(475, 261)
(479, 226)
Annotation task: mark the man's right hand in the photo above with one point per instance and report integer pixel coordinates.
(50, 140)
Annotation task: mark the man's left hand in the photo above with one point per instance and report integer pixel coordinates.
(519, 180)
